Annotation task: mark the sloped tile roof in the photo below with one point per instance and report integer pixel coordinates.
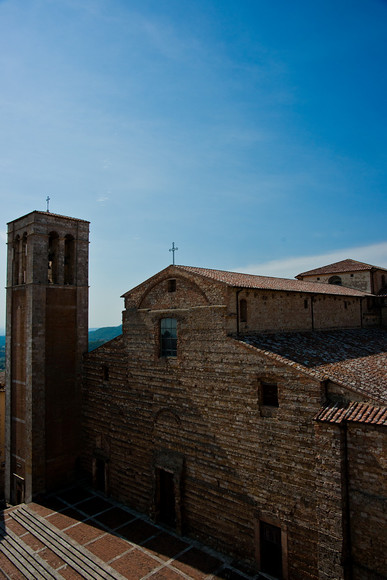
(239, 280)
(354, 412)
(355, 358)
(342, 266)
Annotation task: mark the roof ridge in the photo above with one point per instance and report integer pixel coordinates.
(346, 267)
(239, 279)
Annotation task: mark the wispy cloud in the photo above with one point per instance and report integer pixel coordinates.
(375, 254)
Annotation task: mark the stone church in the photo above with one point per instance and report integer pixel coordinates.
(245, 411)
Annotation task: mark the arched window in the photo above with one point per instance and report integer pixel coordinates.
(168, 337)
(243, 310)
(336, 280)
(16, 260)
(24, 260)
(69, 255)
(52, 266)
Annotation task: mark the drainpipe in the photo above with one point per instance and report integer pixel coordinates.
(372, 273)
(237, 309)
(348, 566)
(312, 311)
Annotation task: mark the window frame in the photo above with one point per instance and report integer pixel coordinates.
(168, 344)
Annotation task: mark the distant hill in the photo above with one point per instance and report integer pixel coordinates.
(96, 339)
(2, 356)
(2, 353)
(102, 335)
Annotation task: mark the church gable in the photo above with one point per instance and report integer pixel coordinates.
(173, 292)
(174, 288)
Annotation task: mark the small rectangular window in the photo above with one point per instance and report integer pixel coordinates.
(105, 373)
(172, 285)
(269, 394)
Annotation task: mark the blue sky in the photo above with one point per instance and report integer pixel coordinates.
(252, 133)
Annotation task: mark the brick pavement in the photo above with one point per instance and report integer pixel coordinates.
(120, 539)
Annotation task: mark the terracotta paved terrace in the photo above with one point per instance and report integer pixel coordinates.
(78, 534)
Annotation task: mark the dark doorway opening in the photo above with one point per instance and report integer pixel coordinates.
(100, 478)
(271, 550)
(166, 498)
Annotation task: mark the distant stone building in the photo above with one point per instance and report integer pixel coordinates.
(246, 411)
(350, 273)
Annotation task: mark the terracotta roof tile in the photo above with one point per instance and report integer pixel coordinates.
(239, 280)
(354, 412)
(342, 266)
(355, 358)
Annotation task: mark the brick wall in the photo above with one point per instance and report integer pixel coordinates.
(291, 311)
(198, 416)
(367, 455)
(359, 280)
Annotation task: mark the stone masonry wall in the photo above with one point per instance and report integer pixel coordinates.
(360, 280)
(269, 311)
(199, 415)
(367, 454)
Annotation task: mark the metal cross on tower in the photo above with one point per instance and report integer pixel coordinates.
(48, 203)
(173, 250)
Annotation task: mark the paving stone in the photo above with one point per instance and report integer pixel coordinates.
(74, 495)
(93, 506)
(165, 546)
(51, 558)
(230, 574)
(14, 527)
(115, 517)
(32, 541)
(52, 502)
(108, 547)
(166, 574)
(132, 562)
(135, 564)
(138, 531)
(10, 571)
(65, 519)
(70, 574)
(41, 509)
(196, 563)
(84, 533)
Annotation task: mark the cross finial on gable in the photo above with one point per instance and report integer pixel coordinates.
(173, 250)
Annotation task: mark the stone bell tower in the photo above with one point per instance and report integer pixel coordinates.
(47, 334)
